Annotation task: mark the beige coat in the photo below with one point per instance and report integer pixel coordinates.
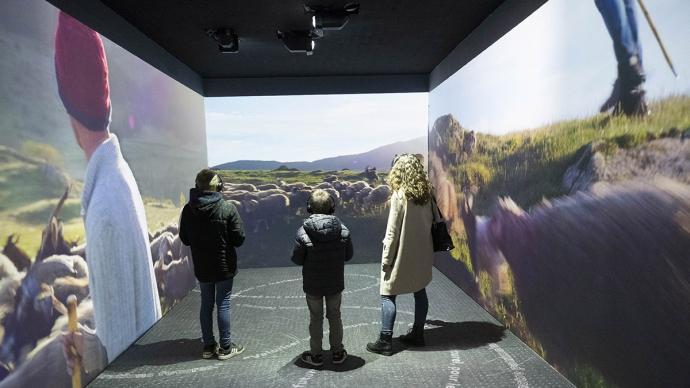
(407, 247)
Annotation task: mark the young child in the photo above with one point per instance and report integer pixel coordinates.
(322, 247)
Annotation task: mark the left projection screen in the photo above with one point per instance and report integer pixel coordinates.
(95, 145)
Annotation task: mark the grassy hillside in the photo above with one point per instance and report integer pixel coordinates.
(257, 177)
(530, 165)
(27, 199)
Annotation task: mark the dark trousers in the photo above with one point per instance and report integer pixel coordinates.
(335, 324)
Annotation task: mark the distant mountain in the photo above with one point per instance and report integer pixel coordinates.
(380, 157)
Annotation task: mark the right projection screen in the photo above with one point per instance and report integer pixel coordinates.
(561, 159)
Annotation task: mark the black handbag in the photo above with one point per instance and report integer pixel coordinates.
(439, 231)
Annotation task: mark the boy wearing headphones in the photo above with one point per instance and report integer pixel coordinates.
(213, 228)
(322, 247)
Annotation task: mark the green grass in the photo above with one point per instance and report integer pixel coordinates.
(258, 177)
(529, 165)
(27, 200)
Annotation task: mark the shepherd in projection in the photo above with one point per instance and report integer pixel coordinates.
(628, 95)
(121, 278)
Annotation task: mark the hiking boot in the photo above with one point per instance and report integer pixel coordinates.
(231, 351)
(339, 357)
(414, 336)
(210, 351)
(633, 102)
(384, 345)
(312, 359)
(614, 98)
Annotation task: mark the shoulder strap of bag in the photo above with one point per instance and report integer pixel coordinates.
(435, 211)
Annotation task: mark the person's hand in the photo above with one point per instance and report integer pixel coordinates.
(72, 347)
(386, 267)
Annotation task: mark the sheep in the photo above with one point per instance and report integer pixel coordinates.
(8, 289)
(160, 245)
(338, 185)
(298, 200)
(268, 193)
(16, 255)
(58, 266)
(267, 186)
(7, 268)
(174, 278)
(603, 277)
(361, 195)
(172, 229)
(240, 186)
(47, 358)
(35, 304)
(378, 197)
(52, 240)
(359, 185)
(276, 204)
(324, 185)
(294, 186)
(330, 178)
(270, 209)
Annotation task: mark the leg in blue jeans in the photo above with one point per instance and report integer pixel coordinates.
(215, 294)
(208, 294)
(223, 292)
(387, 314)
(619, 17)
(421, 307)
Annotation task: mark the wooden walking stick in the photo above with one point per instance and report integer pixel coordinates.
(658, 38)
(72, 325)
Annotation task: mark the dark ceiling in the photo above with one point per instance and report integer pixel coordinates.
(386, 37)
(389, 47)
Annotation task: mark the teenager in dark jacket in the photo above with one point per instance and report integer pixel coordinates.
(213, 228)
(322, 247)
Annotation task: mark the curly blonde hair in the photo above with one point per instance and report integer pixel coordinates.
(409, 176)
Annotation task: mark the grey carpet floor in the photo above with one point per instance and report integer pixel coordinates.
(466, 346)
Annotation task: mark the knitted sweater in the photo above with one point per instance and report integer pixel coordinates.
(121, 279)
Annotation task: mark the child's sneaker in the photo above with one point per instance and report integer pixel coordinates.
(312, 359)
(339, 357)
(209, 351)
(231, 351)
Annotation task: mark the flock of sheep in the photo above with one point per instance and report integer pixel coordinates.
(262, 205)
(33, 296)
(602, 276)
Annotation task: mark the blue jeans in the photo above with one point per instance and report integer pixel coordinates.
(219, 294)
(619, 17)
(421, 307)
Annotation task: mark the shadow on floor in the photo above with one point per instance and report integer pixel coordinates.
(459, 335)
(160, 353)
(352, 362)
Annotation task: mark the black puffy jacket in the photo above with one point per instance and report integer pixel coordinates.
(213, 228)
(322, 247)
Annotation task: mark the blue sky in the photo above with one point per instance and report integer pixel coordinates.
(296, 128)
(559, 64)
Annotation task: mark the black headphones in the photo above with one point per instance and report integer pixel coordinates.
(219, 188)
(331, 210)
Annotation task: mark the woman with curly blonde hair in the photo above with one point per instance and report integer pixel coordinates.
(407, 257)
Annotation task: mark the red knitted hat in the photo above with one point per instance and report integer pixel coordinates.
(81, 70)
